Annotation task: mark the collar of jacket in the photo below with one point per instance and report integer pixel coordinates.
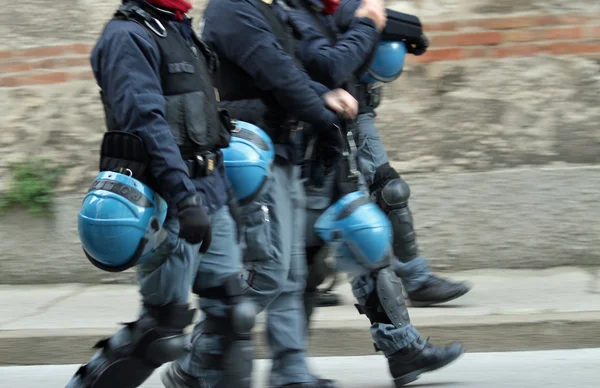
(157, 12)
(315, 3)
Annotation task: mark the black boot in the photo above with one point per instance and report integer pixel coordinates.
(436, 290)
(321, 383)
(419, 357)
(174, 377)
(327, 298)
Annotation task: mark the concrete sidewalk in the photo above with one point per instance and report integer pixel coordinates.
(506, 310)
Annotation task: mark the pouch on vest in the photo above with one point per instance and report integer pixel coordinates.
(124, 152)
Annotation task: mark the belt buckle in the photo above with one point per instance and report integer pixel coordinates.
(208, 162)
(294, 129)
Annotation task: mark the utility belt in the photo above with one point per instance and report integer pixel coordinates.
(203, 164)
(368, 97)
(289, 134)
(286, 132)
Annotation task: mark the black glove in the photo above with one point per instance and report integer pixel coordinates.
(417, 46)
(330, 149)
(194, 225)
(333, 139)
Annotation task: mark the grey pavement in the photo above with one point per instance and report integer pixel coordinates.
(548, 369)
(506, 310)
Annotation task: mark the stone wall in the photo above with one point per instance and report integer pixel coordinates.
(506, 85)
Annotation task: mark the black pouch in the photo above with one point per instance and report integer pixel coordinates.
(125, 153)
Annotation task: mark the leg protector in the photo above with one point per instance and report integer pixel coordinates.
(386, 303)
(128, 358)
(391, 195)
(236, 361)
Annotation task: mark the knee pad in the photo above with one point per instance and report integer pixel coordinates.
(386, 303)
(393, 200)
(242, 310)
(129, 357)
(394, 195)
(236, 331)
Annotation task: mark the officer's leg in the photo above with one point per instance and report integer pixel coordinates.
(380, 298)
(317, 200)
(423, 287)
(286, 328)
(370, 150)
(129, 357)
(318, 271)
(391, 193)
(221, 351)
(286, 321)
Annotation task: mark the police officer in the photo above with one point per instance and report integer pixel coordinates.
(154, 74)
(259, 82)
(322, 48)
(337, 56)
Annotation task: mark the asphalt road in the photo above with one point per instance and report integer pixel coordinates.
(559, 368)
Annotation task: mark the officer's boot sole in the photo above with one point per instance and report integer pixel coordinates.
(327, 300)
(413, 376)
(171, 378)
(428, 303)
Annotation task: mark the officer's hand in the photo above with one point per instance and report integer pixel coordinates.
(194, 225)
(342, 103)
(418, 46)
(374, 10)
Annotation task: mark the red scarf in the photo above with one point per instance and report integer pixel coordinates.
(179, 7)
(329, 6)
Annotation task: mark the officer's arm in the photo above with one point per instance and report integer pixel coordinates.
(319, 88)
(344, 15)
(334, 64)
(241, 33)
(127, 70)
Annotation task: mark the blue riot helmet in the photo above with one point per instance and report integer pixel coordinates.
(388, 63)
(359, 233)
(247, 159)
(120, 222)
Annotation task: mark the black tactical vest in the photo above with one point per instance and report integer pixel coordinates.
(185, 72)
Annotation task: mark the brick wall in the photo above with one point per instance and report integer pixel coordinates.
(513, 36)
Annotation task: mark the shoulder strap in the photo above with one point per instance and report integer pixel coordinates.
(279, 29)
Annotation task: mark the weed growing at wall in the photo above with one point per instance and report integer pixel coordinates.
(32, 186)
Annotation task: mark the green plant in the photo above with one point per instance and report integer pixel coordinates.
(32, 186)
